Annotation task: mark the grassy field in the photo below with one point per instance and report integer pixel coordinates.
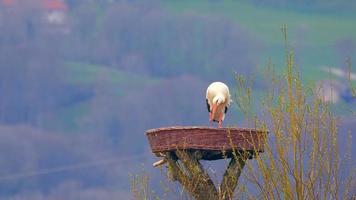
(84, 73)
(312, 34)
(266, 22)
(113, 82)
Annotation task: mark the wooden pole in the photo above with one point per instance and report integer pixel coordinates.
(183, 147)
(196, 181)
(232, 175)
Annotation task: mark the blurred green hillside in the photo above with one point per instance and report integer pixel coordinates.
(137, 54)
(314, 35)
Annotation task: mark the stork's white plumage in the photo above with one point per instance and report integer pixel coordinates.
(217, 100)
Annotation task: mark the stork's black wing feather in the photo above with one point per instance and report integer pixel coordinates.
(207, 105)
(225, 109)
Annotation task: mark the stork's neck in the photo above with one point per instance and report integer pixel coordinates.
(219, 99)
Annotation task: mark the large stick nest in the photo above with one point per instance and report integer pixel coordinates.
(206, 142)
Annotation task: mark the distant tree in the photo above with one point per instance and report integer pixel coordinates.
(310, 5)
(170, 45)
(37, 161)
(177, 101)
(31, 68)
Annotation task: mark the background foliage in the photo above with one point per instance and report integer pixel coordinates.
(76, 97)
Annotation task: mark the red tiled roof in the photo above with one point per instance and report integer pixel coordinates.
(47, 4)
(8, 2)
(54, 5)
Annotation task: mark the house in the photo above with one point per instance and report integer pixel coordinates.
(8, 2)
(54, 13)
(329, 91)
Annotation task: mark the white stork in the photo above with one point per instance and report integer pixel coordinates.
(217, 100)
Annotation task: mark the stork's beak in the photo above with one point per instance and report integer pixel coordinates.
(213, 111)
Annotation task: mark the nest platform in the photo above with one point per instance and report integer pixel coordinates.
(206, 143)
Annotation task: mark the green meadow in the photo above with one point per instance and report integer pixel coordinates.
(313, 35)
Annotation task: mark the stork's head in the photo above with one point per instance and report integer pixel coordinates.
(217, 100)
